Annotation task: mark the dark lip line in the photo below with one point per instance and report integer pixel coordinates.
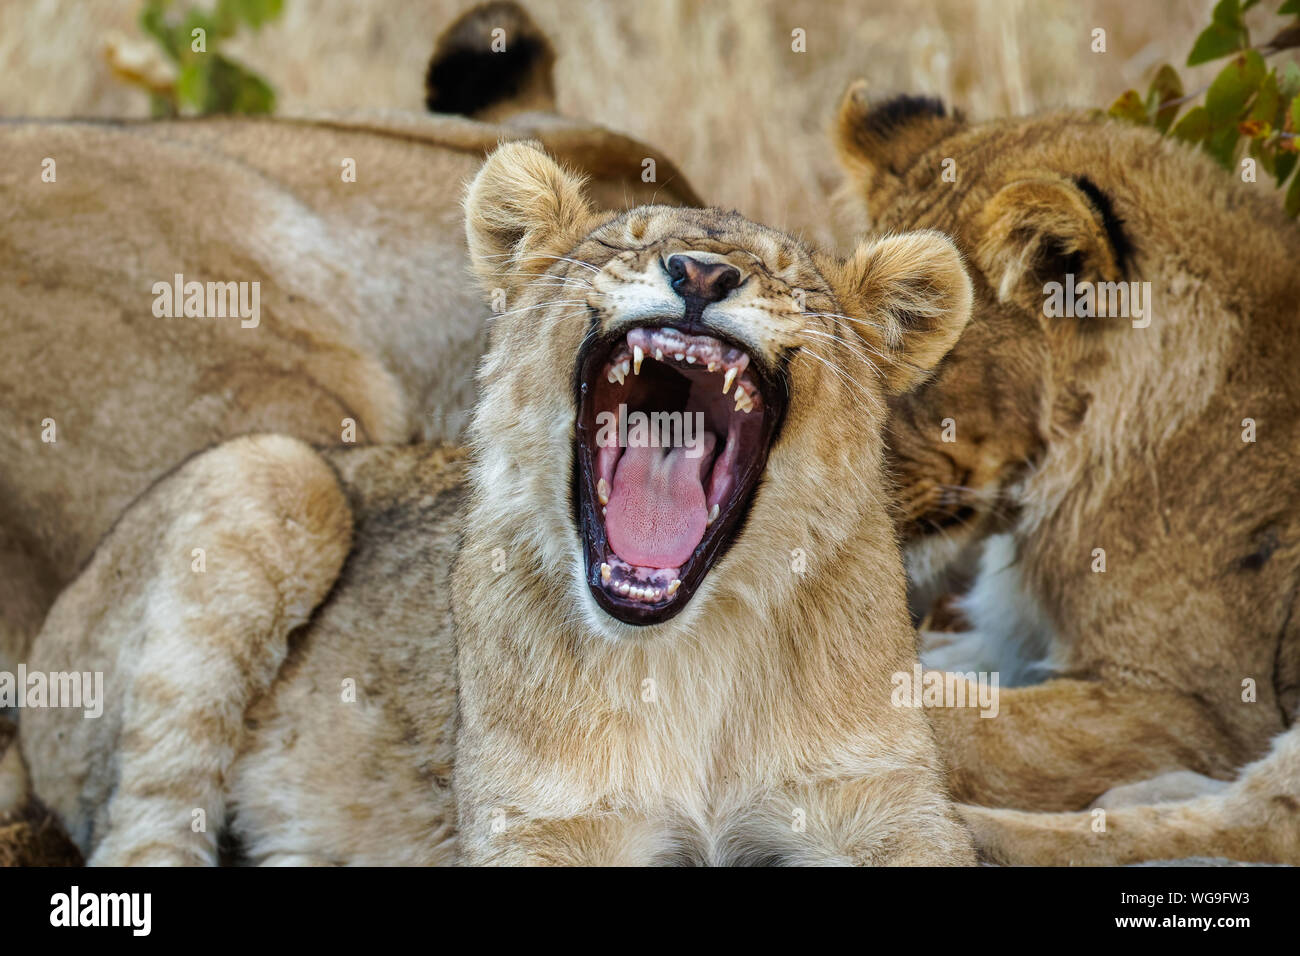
(717, 540)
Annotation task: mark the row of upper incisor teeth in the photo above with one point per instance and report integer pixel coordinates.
(618, 373)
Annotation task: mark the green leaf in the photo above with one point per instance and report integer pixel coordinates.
(1227, 13)
(153, 21)
(1226, 34)
(255, 96)
(1292, 203)
(1222, 146)
(1264, 108)
(196, 20)
(1288, 83)
(1291, 6)
(1129, 107)
(226, 17)
(1294, 125)
(258, 12)
(1283, 163)
(1227, 96)
(235, 89)
(1166, 86)
(192, 88)
(1194, 127)
(1266, 157)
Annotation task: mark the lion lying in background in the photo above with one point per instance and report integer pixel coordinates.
(643, 670)
(355, 320)
(1141, 468)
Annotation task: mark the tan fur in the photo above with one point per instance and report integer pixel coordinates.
(769, 736)
(770, 689)
(1083, 433)
(367, 312)
(1257, 818)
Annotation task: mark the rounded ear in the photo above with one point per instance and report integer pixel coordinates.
(522, 211)
(912, 297)
(1042, 228)
(881, 140)
(492, 62)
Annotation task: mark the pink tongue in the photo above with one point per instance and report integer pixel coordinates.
(656, 515)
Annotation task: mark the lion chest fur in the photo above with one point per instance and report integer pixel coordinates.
(703, 736)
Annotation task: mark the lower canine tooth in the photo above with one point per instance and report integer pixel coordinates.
(713, 515)
(605, 572)
(602, 491)
(726, 382)
(637, 356)
(673, 586)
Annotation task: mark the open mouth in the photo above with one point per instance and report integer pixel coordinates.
(673, 434)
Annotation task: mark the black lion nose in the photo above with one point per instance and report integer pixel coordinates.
(710, 281)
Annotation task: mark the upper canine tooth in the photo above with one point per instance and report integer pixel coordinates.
(605, 572)
(713, 515)
(726, 382)
(602, 491)
(637, 356)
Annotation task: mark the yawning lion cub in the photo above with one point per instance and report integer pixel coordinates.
(664, 650)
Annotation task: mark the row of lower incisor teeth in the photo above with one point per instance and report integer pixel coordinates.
(641, 594)
(606, 572)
